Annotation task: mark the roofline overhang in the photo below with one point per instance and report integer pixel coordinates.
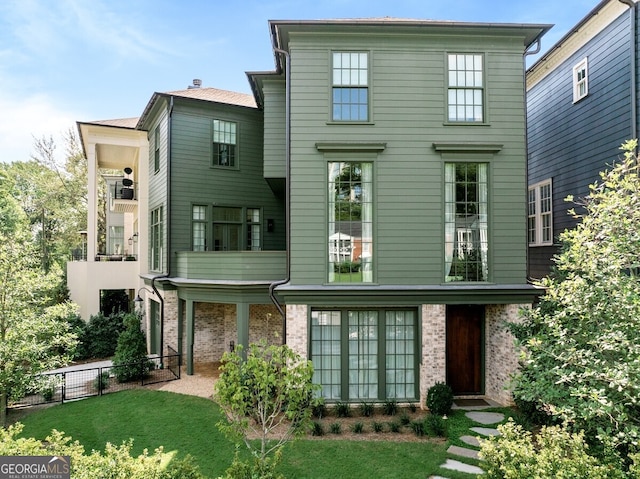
(535, 31)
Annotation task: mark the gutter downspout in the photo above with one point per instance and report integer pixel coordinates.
(287, 201)
(526, 145)
(632, 45)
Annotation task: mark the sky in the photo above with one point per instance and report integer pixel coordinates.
(63, 61)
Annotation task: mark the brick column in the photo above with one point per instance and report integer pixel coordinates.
(433, 361)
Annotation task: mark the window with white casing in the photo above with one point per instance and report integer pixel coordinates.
(580, 80)
(540, 214)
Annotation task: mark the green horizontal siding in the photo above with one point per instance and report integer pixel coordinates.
(408, 114)
(231, 266)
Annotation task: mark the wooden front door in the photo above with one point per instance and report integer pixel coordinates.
(464, 348)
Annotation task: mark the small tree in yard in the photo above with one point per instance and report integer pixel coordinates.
(267, 396)
(130, 360)
(581, 359)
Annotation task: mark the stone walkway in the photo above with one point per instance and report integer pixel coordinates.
(484, 419)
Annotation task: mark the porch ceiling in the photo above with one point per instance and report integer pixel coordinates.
(116, 157)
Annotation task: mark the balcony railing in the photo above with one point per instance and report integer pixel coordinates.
(124, 190)
(232, 265)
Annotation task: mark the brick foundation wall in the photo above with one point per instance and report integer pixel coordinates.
(297, 328)
(501, 354)
(433, 361)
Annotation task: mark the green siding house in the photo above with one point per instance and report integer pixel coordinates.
(404, 160)
(367, 206)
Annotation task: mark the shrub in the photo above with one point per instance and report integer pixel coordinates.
(377, 426)
(440, 399)
(130, 361)
(437, 425)
(358, 428)
(553, 453)
(404, 418)
(319, 409)
(101, 382)
(366, 409)
(418, 427)
(99, 337)
(390, 407)
(336, 428)
(317, 429)
(395, 426)
(413, 407)
(343, 409)
(115, 461)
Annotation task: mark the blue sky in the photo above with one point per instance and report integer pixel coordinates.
(63, 61)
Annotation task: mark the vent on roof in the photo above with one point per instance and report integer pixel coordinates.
(197, 83)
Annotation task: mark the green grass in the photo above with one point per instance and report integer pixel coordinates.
(187, 425)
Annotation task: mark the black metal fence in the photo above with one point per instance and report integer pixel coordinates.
(70, 385)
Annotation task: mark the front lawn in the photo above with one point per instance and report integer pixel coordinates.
(187, 425)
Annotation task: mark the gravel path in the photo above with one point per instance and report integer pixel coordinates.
(198, 384)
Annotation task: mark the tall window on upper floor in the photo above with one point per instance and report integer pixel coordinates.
(466, 222)
(540, 217)
(350, 86)
(350, 229)
(465, 88)
(224, 143)
(157, 239)
(156, 149)
(199, 228)
(580, 80)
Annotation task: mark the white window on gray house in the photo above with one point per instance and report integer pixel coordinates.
(350, 86)
(465, 95)
(540, 214)
(224, 143)
(580, 80)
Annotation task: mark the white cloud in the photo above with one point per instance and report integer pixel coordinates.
(33, 117)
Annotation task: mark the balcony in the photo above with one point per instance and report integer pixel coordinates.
(232, 266)
(123, 197)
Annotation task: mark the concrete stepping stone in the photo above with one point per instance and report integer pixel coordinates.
(485, 417)
(454, 465)
(437, 477)
(471, 440)
(463, 452)
(486, 431)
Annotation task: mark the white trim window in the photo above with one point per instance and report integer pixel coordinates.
(350, 86)
(540, 214)
(580, 80)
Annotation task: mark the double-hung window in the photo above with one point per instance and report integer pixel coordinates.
(224, 143)
(350, 228)
(157, 239)
(350, 86)
(466, 222)
(465, 88)
(580, 80)
(540, 214)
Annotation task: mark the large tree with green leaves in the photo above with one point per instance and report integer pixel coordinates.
(581, 359)
(53, 195)
(34, 332)
(267, 397)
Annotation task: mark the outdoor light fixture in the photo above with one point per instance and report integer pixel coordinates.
(133, 239)
(138, 299)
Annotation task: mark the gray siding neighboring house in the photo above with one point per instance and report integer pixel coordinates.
(574, 136)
